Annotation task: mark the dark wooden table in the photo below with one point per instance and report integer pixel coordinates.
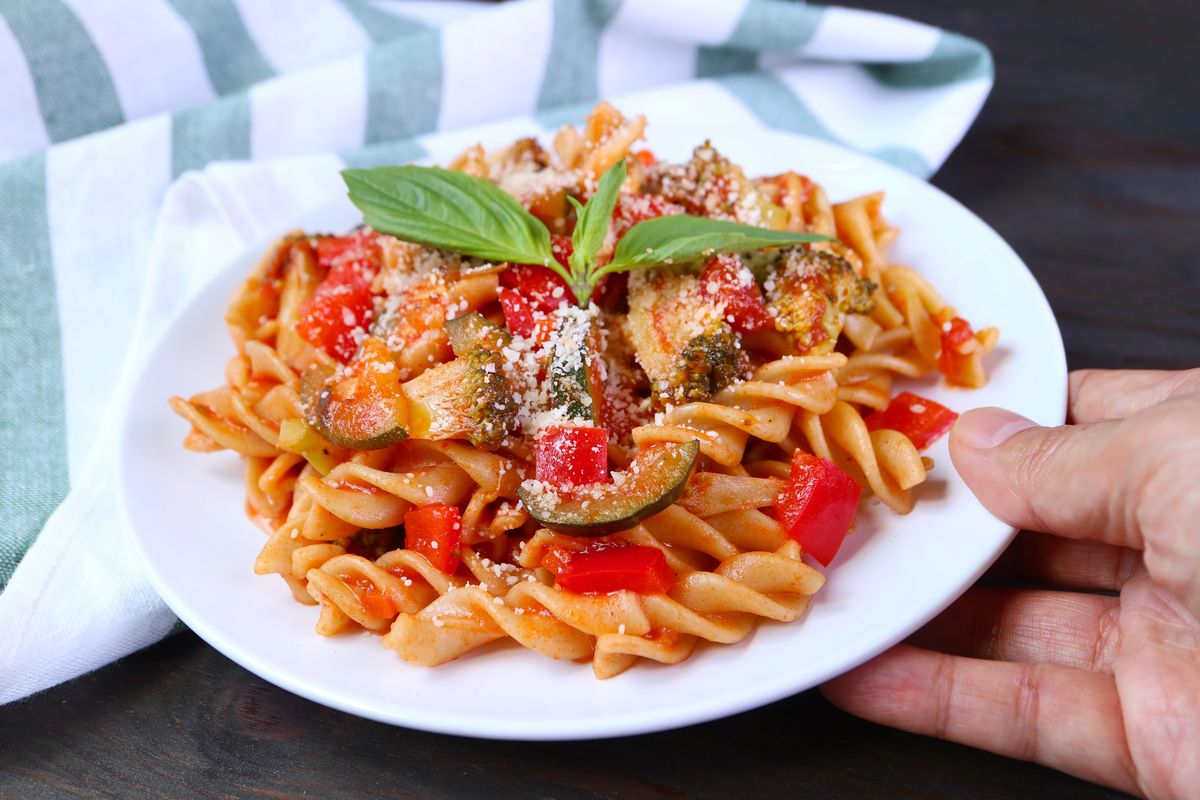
(1086, 158)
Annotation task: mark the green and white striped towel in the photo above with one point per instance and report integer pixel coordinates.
(105, 104)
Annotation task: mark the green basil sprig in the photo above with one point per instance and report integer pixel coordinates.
(680, 238)
(457, 212)
(591, 226)
(449, 210)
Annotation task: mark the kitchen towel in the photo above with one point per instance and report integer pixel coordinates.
(145, 142)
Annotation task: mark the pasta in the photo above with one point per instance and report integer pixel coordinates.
(445, 451)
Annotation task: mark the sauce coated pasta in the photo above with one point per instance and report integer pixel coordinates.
(608, 454)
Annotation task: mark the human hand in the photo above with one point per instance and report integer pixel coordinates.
(1100, 685)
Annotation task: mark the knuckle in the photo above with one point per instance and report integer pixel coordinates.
(1038, 463)
(1081, 381)
(1028, 712)
(987, 625)
(1108, 640)
(1161, 479)
(1189, 382)
(1125, 566)
(944, 690)
(1043, 453)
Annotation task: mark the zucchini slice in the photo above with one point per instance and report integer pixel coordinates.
(364, 409)
(576, 377)
(297, 436)
(474, 331)
(654, 480)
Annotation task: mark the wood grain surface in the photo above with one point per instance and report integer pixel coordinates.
(1086, 158)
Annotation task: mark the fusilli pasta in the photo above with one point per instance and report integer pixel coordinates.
(397, 406)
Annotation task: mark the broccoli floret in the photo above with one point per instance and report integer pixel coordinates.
(811, 292)
(371, 544)
(467, 398)
(713, 186)
(680, 337)
(710, 362)
(474, 331)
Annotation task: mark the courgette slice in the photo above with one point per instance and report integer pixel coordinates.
(297, 436)
(654, 480)
(364, 409)
(576, 377)
(474, 331)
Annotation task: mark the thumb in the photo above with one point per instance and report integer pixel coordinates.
(1069, 480)
(1127, 482)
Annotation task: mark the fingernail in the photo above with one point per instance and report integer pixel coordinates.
(982, 428)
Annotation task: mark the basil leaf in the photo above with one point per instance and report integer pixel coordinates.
(681, 238)
(592, 219)
(451, 211)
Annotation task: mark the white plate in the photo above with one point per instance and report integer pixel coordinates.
(895, 573)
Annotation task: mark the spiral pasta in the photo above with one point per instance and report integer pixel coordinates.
(400, 411)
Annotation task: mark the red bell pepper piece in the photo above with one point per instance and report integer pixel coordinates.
(541, 287)
(816, 505)
(331, 315)
(518, 312)
(611, 291)
(530, 290)
(647, 157)
(922, 421)
(435, 531)
(634, 208)
(343, 303)
(361, 245)
(556, 557)
(727, 280)
(566, 456)
(954, 336)
(635, 568)
(562, 248)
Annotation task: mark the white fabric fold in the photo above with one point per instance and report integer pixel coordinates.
(80, 598)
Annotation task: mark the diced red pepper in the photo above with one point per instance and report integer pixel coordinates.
(563, 248)
(330, 316)
(816, 505)
(343, 303)
(540, 286)
(556, 557)
(647, 158)
(566, 456)
(634, 208)
(611, 290)
(529, 289)
(518, 312)
(362, 245)
(922, 421)
(635, 568)
(727, 279)
(435, 531)
(954, 337)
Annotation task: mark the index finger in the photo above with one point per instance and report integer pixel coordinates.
(1062, 717)
(1102, 394)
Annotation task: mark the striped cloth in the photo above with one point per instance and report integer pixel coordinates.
(105, 104)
